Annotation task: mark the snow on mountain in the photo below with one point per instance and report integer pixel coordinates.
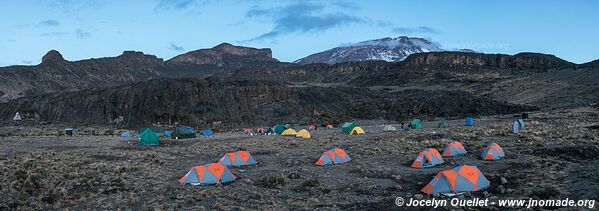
(386, 49)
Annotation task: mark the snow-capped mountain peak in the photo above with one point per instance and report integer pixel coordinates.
(386, 49)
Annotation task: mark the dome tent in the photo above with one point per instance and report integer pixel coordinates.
(454, 149)
(239, 158)
(347, 127)
(457, 180)
(333, 157)
(278, 129)
(303, 134)
(209, 174)
(428, 158)
(289, 132)
(416, 124)
(493, 152)
(148, 137)
(357, 131)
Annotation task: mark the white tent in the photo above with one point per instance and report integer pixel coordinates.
(515, 127)
(17, 117)
(389, 128)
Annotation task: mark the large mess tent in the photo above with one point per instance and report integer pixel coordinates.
(183, 132)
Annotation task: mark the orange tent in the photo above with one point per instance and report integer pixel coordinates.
(209, 174)
(458, 180)
(428, 158)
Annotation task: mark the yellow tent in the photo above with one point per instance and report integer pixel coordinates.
(303, 134)
(289, 132)
(357, 131)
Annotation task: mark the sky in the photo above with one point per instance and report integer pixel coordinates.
(83, 29)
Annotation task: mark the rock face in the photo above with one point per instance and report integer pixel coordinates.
(201, 102)
(465, 59)
(55, 74)
(386, 49)
(52, 56)
(224, 54)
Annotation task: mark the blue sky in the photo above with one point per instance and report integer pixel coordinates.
(293, 29)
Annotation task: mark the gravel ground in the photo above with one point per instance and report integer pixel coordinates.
(555, 157)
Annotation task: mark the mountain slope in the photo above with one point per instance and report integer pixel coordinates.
(386, 49)
(224, 54)
(55, 74)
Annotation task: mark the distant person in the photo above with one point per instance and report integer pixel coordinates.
(402, 124)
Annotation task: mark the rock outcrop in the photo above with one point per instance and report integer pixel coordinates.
(224, 54)
(200, 102)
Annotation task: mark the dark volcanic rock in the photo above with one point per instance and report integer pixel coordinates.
(55, 74)
(464, 59)
(201, 102)
(52, 56)
(224, 54)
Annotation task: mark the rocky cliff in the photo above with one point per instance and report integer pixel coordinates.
(55, 74)
(202, 102)
(222, 55)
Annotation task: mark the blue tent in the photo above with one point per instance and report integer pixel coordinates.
(469, 121)
(168, 133)
(126, 134)
(207, 132)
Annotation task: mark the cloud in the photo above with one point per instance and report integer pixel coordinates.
(346, 5)
(381, 23)
(83, 34)
(75, 6)
(26, 62)
(178, 4)
(54, 34)
(415, 30)
(174, 47)
(300, 17)
(48, 23)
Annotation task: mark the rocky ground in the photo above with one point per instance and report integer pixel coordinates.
(555, 157)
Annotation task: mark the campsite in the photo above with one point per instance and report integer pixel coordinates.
(299, 105)
(104, 171)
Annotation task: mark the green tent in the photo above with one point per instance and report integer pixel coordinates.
(148, 138)
(270, 131)
(443, 124)
(417, 123)
(279, 129)
(347, 127)
(158, 130)
(521, 123)
(184, 132)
